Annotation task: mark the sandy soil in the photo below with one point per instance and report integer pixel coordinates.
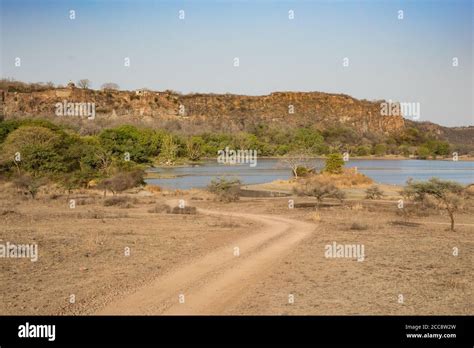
(187, 264)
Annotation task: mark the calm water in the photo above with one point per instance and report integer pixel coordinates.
(381, 171)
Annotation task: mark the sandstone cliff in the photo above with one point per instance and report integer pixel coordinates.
(210, 112)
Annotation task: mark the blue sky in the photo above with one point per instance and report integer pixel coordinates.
(407, 60)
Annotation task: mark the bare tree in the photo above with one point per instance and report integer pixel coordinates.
(110, 85)
(84, 83)
(295, 160)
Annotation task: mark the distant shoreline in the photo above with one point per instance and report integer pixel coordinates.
(385, 158)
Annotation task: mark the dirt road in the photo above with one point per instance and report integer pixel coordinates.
(214, 283)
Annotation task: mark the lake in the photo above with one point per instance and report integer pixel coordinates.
(381, 171)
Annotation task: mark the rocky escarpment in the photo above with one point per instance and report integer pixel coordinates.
(211, 112)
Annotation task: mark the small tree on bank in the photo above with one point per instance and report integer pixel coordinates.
(298, 162)
(334, 163)
(446, 193)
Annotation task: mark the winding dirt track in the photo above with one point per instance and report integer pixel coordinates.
(214, 283)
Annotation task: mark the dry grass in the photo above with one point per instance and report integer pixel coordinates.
(81, 251)
(348, 178)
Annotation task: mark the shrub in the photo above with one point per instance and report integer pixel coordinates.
(303, 171)
(318, 187)
(29, 184)
(334, 163)
(373, 192)
(185, 210)
(362, 150)
(121, 201)
(122, 181)
(379, 149)
(423, 152)
(225, 190)
(358, 226)
(160, 208)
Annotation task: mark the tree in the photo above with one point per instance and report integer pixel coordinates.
(373, 192)
(446, 193)
(362, 150)
(84, 83)
(194, 148)
(309, 139)
(423, 152)
(72, 181)
(296, 160)
(122, 181)
(29, 184)
(225, 190)
(318, 187)
(334, 163)
(110, 86)
(169, 149)
(380, 149)
(139, 143)
(39, 150)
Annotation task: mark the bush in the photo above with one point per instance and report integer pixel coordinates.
(160, 208)
(380, 150)
(423, 152)
(373, 192)
(121, 201)
(185, 210)
(334, 163)
(29, 184)
(362, 150)
(122, 181)
(303, 171)
(359, 227)
(225, 190)
(318, 187)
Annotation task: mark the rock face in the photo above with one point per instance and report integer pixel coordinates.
(211, 112)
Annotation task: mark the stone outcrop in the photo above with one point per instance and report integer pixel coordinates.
(212, 111)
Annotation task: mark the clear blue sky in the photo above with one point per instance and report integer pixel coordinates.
(408, 60)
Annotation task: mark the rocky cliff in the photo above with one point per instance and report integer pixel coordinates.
(210, 112)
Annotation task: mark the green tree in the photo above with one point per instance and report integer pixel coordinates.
(40, 150)
(169, 149)
(308, 139)
(380, 149)
(334, 163)
(194, 148)
(423, 152)
(362, 150)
